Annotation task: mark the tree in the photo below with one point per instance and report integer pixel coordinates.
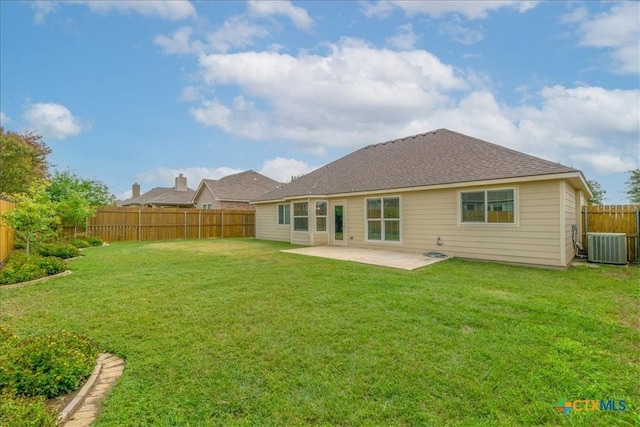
(23, 160)
(63, 184)
(75, 198)
(633, 186)
(34, 215)
(597, 191)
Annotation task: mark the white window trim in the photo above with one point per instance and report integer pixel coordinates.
(516, 208)
(278, 215)
(293, 218)
(207, 206)
(326, 217)
(366, 220)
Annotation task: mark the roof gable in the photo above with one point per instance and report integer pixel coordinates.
(162, 196)
(433, 158)
(243, 186)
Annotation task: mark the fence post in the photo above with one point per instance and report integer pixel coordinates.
(199, 224)
(185, 225)
(222, 220)
(638, 235)
(139, 225)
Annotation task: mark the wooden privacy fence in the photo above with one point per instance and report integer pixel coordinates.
(7, 241)
(133, 223)
(614, 219)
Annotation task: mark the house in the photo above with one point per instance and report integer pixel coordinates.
(233, 191)
(439, 191)
(179, 196)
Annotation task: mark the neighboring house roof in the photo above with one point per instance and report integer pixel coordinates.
(162, 196)
(239, 187)
(434, 158)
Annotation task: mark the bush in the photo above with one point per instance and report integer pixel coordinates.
(20, 267)
(60, 250)
(21, 412)
(94, 241)
(80, 243)
(48, 365)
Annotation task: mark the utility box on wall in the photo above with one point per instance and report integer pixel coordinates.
(607, 248)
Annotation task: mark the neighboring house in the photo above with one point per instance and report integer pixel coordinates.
(179, 196)
(233, 191)
(440, 191)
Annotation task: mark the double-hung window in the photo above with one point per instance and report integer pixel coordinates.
(207, 206)
(490, 206)
(321, 216)
(284, 214)
(301, 216)
(383, 219)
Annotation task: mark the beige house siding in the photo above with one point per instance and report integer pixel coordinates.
(427, 215)
(541, 235)
(267, 227)
(206, 196)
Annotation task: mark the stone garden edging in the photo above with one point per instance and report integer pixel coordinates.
(33, 282)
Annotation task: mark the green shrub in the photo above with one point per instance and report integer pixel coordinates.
(20, 267)
(51, 265)
(22, 412)
(60, 250)
(80, 243)
(48, 365)
(94, 241)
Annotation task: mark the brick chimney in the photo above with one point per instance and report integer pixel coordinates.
(181, 183)
(135, 190)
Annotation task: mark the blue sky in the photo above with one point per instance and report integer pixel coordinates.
(139, 91)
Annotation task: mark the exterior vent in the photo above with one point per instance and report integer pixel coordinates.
(607, 248)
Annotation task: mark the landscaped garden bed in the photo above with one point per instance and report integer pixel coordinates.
(233, 332)
(39, 368)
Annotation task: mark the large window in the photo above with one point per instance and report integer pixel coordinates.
(383, 219)
(284, 214)
(321, 216)
(490, 206)
(301, 216)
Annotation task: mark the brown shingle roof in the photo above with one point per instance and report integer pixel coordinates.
(162, 196)
(243, 186)
(433, 158)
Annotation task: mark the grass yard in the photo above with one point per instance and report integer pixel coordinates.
(233, 332)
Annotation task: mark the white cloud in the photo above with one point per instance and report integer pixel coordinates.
(618, 30)
(340, 99)
(405, 39)
(469, 9)
(52, 120)
(4, 118)
(174, 10)
(282, 169)
(461, 33)
(606, 163)
(297, 15)
(165, 177)
(179, 43)
(236, 32)
(42, 8)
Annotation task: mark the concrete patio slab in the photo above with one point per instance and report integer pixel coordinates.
(385, 258)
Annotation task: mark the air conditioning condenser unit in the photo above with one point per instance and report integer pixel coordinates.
(607, 248)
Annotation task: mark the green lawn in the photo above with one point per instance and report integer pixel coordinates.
(233, 332)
